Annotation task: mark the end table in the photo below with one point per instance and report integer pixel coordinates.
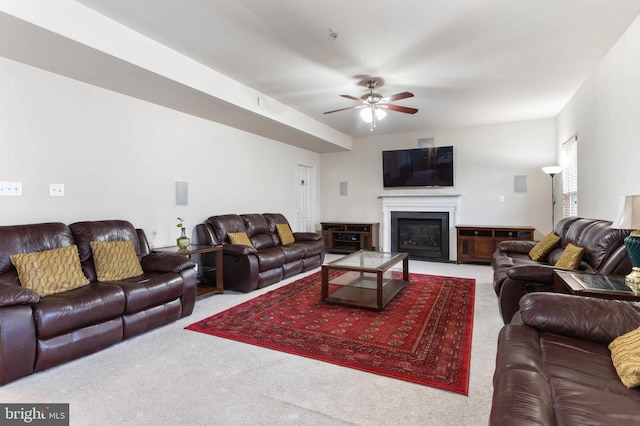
(203, 290)
(590, 285)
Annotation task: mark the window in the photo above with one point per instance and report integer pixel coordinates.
(569, 163)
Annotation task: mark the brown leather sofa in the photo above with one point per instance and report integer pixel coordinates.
(37, 333)
(553, 365)
(268, 261)
(515, 274)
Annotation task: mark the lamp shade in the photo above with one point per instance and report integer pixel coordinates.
(629, 218)
(629, 212)
(552, 170)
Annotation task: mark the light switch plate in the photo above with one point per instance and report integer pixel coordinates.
(56, 189)
(11, 189)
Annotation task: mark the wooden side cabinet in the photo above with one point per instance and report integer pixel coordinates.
(341, 237)
(206, 271)
(477, 243)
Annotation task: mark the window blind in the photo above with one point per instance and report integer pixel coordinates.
(569, 163)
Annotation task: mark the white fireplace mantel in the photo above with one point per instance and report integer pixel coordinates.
(419, 203)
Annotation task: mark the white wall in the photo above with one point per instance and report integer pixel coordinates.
(487, 158)
(119, 158)
(605, 114)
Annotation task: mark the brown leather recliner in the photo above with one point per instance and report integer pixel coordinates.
(553, 365)
(41, 332)
(515, 274)
(268, 261)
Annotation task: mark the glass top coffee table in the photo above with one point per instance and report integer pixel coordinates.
(368, 281)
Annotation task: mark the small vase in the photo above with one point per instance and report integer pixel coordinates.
(183, 241)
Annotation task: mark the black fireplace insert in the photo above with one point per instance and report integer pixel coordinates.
(424, 235)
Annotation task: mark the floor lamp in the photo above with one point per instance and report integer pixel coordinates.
(552, 171)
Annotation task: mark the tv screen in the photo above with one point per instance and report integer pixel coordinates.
(418, 167)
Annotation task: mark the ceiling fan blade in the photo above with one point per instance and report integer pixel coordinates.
(397, 97)
(343, 109)
(399, 108)
(353, 98)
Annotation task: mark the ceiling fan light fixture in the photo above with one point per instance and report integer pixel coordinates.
(367, 114)
(374, 107)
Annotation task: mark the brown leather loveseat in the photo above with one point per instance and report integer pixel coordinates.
(554, 366)
(38, 332)
(515, 274)
(268, 260)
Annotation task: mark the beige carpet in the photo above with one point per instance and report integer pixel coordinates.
(171, 376)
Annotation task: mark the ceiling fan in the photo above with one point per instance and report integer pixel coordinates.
(374, 105)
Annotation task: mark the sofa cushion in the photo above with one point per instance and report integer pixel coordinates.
(285, 234)
(31, 238)
(50, 271)
(625, 354)
(544, 247)
(115, 260)
(293, 252)
(258, 231)
(101, 230)
(91, 304)
(600, 249)
(571, 257)
(270, 258)
(577, 231)
(582, 404)
(223, 224)
(240, 238)
(150, 289)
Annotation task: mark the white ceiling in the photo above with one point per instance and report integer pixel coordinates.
(468, 62)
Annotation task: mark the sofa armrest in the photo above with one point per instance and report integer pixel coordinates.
(238, 249)
(166, 262)
(532, 273)
(516, 246)
(11, 295)
(307, 236)
(598, 320)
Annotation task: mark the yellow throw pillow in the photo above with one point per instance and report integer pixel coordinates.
(571, 257)
(285, 234)
(625, 354)
(239, 238)
(50, 271)
(544, 246)
(115, 260)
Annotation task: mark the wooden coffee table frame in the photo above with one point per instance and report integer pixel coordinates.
(374, 296)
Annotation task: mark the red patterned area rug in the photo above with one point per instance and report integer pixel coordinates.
(423, 335)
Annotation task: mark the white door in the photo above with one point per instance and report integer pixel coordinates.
(305, 207)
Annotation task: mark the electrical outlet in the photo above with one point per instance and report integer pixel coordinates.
(56, 189)
(501, 198)
(11, 189)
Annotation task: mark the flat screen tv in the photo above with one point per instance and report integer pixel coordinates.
(418, 167)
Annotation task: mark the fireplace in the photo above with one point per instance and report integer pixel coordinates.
(442, 203)
(424, 235)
